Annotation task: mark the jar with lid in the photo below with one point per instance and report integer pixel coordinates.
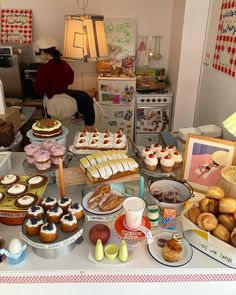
(153, 214)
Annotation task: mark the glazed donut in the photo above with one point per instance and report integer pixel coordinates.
(233, 237)
(193, 214)
(227, 205)
(207, 221)
(227, 220)
(215, 192)
(222, 233)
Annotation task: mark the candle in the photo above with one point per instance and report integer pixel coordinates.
(2, 100)
(141, 187)
(61, 178)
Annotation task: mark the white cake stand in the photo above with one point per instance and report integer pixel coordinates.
(38, 140)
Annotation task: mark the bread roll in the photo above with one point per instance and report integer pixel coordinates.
(207, 221)
(208, 205)
(193, 214)
(233, 237)
(227, 205)
(215, 192)
(227, 220)
(222, 233)
(172, 251)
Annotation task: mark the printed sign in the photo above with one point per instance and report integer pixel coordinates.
(16, 26)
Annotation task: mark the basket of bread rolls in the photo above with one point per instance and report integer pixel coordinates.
(209, 224)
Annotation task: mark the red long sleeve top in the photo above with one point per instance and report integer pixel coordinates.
(53, 78)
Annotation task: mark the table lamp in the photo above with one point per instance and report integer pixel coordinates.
(230, 124)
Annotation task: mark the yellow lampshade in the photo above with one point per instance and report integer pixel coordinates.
(84, 37)
(230, 124)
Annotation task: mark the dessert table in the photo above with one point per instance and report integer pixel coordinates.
(76, 272)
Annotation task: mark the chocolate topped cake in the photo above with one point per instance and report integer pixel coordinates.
(7, 133)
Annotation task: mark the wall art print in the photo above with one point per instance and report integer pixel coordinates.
(16, 25)
(225, 47)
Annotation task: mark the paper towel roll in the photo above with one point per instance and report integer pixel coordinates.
(2, 100)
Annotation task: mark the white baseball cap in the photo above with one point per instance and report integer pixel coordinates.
(46, 42)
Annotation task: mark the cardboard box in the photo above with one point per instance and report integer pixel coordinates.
(12, 115)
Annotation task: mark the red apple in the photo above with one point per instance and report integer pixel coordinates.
(99, 231)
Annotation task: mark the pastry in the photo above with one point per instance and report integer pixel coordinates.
(110, 202)
(207, 221)
(227, 220)
(193, 214)
(98, 195)
(172, 251)
(9, 180)
(151, 162)
(26, 200)
(178, 159)
(47, 128)
(42, 160)
(48, 144)
(155, 147)
(161, 153)
(33, 225)
(215, 192)
(208, 205)
(233, 237)
(58, 151)
(48, 202)
(170, 149)
(36, 181)
(167, 164)
(35, 211)
(64, 203)
(30, 149)
(222, 233)
(234, 215)
(145, 152)
(54, 214)
(68, 223)
(227, 205)
(48, 233)
(17, 189)
(7, 133)
(77, 210)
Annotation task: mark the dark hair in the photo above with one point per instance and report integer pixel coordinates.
(54, 53)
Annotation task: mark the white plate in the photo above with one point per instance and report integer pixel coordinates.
(96, 211)
(156, 251)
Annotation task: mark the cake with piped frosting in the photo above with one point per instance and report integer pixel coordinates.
(68, 223)
(47, 128)
(54, 214)
(33, 225)
(48, 232)
(35, 211)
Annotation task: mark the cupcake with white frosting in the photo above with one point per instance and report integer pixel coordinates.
(167, 164)
(151, 162)
(178, 159)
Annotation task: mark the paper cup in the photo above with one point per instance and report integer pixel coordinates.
(134, 208)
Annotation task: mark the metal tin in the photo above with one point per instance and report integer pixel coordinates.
(62, 246)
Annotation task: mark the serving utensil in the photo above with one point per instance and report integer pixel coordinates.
(157, 55)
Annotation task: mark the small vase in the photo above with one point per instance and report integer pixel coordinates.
(99, 252)
(123, 252)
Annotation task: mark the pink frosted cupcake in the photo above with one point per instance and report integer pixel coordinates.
(178, 159)
(42, 160)
(30, 150)
(156, 147)
(170, 149)
(58, 151)
(48, 144)
(151, 162)
(161, 154)
(145, 152)
(167, 164)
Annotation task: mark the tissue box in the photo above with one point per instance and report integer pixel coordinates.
(210, 130)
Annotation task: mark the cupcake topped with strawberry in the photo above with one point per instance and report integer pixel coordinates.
(145, 152)
(161, 153)
(177, 158)
(151, 162)
(167, 163)
(156, 147)
(170, 149)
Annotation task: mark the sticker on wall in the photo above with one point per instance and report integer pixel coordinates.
(116, 99)
(112, 123)
(16, 25)
(119, 114)
(107, 97)
(128, 115)
(225, 47)
(103, 87)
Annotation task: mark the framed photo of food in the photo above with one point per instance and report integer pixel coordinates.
(204, 159)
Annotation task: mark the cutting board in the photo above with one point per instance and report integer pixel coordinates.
(75, 176)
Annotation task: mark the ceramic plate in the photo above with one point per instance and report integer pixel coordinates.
(96, 211)
(156, 251)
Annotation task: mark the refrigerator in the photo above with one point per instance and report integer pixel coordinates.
(116, 97)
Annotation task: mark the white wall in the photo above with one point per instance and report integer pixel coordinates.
(217, 98)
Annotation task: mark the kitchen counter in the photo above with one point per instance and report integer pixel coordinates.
(76, 272)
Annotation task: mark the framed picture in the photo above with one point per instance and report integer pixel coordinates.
(204, 159)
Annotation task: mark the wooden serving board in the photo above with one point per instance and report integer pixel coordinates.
(75, 175)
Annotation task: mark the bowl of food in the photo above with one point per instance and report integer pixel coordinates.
(170, 193)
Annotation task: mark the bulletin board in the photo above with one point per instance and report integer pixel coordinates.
(121, 32)
(16, 25)
(225, 47)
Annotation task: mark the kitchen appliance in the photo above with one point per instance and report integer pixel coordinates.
(13, 60)
(152, 116)
(117, 100)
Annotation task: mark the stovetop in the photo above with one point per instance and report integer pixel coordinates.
(158, 96)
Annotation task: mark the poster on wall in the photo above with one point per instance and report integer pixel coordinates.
(16, 26)
(225, 47)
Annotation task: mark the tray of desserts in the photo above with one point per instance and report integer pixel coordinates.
(17, 194)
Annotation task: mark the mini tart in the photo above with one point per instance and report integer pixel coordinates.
(17, 189)
(48, 233)
(68, 223)
(77, 210)
(36, 181)
(54, 214)
(48, 202)
(35, 211)
(9, 180)
(33, 225)
(2, 196)
(64, 203)
(26, 200)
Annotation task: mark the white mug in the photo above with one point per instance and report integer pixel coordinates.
(134, 208)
